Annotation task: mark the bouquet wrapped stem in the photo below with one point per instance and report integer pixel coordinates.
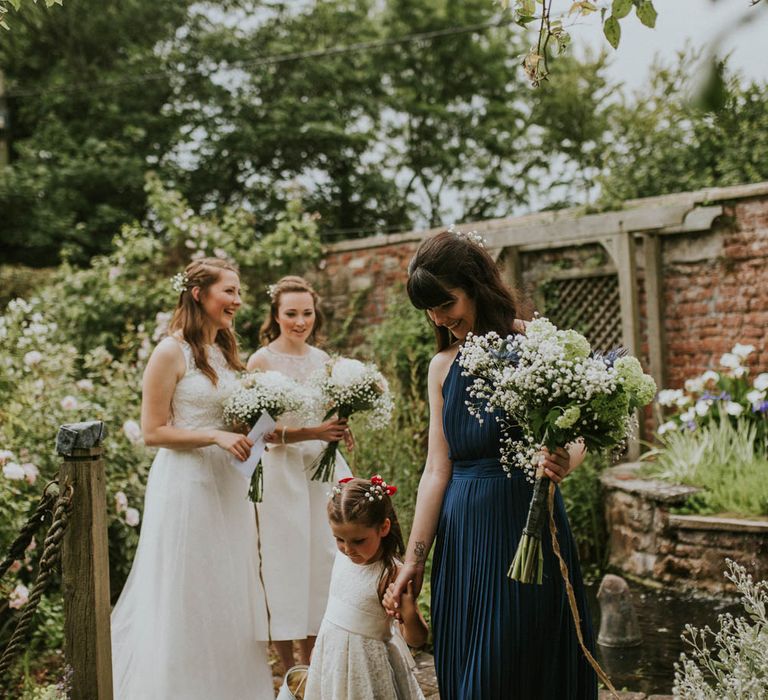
(325, 465)
(528, 564)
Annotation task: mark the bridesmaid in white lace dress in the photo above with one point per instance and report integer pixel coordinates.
(189, 620)
(296, 544)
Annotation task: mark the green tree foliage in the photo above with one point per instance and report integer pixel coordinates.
(87, 85)
(669, 139)
(17, 5)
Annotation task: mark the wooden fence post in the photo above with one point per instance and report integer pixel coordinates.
(85, 562)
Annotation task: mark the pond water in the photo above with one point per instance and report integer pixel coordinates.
(662, 614)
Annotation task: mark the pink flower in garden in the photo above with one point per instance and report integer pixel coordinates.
(32, 546)
(5, 455)
(19, 596)
(121, 502)
(132, 517)
(32, 358)
(31, 472)
(14, 472)
(132, 431)
(69, 403)
(16, 566)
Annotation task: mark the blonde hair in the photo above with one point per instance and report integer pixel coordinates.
(270, 329)
(189, 317)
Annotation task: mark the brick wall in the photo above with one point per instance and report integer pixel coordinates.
(715, 286)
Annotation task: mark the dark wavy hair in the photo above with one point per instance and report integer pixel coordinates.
(349, 503)
(189, 317)
(450, 260)
(270, 329)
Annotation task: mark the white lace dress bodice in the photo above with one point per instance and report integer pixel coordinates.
(197, 403)
(359, 655)
(190, 618)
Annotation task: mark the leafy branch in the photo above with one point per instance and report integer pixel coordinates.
(16, 4)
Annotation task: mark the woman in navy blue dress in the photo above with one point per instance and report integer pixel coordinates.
(495, 639)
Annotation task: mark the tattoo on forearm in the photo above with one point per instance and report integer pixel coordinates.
(420, 552)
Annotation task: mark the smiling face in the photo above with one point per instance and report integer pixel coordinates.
(362, 544)
(457, 315)
(221, 300)
(296, 315)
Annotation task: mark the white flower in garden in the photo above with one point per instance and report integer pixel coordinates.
(665, 427)
(688, 416)
(761, 381)
(733, 409)
(19, 596)
(702, 407)
(132, 517)
(5, 455)
(695, 385)
(742, 351)
(132, 431)
(670, 397)
(739, 371)
(84, 384)
(684, 400)
(755, 397)
(220, 253)
(69, 403)
(190, 244)
(31, 472)
(162, 319)
(32, 358)
(710, 376)
(114, 273)
(121, 502)
(14, 472)
(730, 361)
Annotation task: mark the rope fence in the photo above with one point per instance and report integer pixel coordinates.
(75, 540)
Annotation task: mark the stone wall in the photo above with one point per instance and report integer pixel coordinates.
(648, 542)
(714, 281)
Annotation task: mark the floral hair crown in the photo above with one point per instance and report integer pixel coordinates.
(180, 282)
(376, 491)
(271, 291)
(471, 236)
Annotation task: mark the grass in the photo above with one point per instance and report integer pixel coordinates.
(725, 460)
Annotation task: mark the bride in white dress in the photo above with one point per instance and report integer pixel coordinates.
(189, 620)
(297, 547)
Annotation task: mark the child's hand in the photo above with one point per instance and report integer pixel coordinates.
(389, 601)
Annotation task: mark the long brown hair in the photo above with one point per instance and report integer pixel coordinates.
(451, 260)
(270, 329)
(189, 317)
(350, 503)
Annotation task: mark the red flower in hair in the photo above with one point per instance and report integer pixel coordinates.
(391, 490)
(376, 480)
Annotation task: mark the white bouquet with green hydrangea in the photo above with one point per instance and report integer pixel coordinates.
(268, 392)
(550, 384)
(350, 387)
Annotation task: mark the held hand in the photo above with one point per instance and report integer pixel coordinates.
(412, 574)
(272, 438)
(235, 443)
(557, 464)
(332, 430)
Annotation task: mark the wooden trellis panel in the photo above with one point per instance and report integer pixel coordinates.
(590, 305)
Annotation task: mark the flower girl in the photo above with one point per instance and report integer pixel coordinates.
(360, 653)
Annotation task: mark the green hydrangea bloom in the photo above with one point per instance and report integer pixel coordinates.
(575, 345)
(569, 417)
(637, 384)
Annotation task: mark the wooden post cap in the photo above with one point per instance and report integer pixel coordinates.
(80, 436)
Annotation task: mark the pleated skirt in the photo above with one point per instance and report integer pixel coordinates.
(497, 639)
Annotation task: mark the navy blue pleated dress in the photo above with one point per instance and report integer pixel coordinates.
(497, 639)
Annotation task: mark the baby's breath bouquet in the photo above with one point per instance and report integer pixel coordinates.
(351, 387)
(551, 384)
(263, 392)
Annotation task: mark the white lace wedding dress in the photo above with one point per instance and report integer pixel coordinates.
(297, 546)
(188, 621)
(359, 655)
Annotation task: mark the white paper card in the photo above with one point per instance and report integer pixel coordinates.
(265, 424)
